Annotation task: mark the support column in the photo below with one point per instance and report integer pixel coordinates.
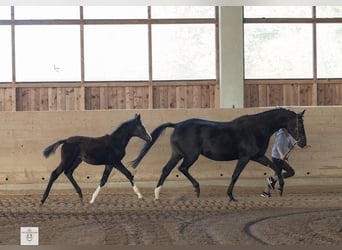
(231, 51)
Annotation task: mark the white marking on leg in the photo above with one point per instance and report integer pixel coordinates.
(157, 192)
(136, 190)
(97, 191)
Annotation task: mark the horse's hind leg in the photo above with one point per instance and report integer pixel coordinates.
(108, 169)
(242, 162)
(184, 168)
(53, 177)
(69, 173)
(129, 176)
(165, 173)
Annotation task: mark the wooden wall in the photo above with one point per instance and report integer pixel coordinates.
(164, 95)
(24, 135)
(111, 95)
(266, 93)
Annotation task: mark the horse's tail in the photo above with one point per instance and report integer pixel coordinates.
(52, 148)
(155, 135)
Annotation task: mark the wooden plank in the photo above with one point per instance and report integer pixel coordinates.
(2, 99)
(180, 97)
(6, 99)
(189, 93)
(252, 95)
(262, 96)
(156, 103)
(305, 93)
(129, 97)
(212, 96)
(320, 94)
(171, 97)
(69, 99)
(44, 99)
(121, 98)
(103, 96)
(52, 99)
(111, 95)
(275, 95)
(338, 94)
(205, 97)
(162, 97)
(9, 99)
(290, 94)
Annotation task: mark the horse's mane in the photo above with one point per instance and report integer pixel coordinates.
(260, 114)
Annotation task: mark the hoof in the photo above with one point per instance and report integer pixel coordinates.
(280, 191)
(141, 198)
(232, 199)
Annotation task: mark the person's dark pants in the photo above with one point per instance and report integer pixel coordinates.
(283, 165)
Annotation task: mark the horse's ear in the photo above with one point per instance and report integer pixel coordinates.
(137, 116)
(302, 113)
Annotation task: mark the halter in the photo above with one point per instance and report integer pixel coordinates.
(297, 134)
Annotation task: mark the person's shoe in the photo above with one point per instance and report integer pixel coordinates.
(271, 182)
(266, 195)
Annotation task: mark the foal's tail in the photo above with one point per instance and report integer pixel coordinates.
(52, 148)
(155, 135)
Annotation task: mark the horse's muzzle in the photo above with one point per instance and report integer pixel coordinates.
(148, 138)
(301, 142)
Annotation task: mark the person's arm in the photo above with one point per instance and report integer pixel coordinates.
(281, 154)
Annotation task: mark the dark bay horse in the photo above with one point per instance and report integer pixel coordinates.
(245, 138)
(106, 150)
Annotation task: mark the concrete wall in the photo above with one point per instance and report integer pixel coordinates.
(24, 135)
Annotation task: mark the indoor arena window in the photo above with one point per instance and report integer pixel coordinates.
(47, 12)
(116, 52)
(5, 13)
(278, 51)
(328, 11)
(6, 54)
(277, 12)
(183, 51)
(47, 53)
(115, 12)
(163, 12)
(329, 50)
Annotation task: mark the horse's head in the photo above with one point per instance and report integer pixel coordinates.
(295, 127)
(139, 130)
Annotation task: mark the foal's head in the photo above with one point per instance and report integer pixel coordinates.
(138, 129)
(295, 127)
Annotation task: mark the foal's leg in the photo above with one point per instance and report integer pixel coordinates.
(53, 177)
(268, 163)
(69, 173)
(242, 162)
(68, 163)
(184, 168)
(108, 169)
(165, 173)
(119, 166)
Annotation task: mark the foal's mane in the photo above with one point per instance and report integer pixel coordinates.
(122, 125)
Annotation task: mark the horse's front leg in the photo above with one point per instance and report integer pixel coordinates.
(119, 166)
(106, 173)
(242, 162)
(268, 163)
